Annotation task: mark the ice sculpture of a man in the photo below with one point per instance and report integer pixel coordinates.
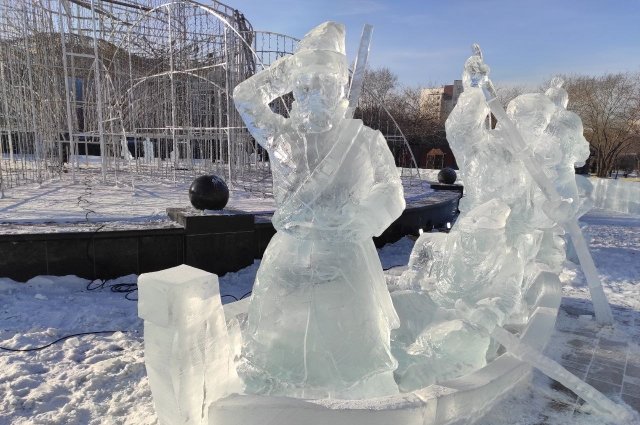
(555, 136)
(566, 127)
(477, 262)
(472, 263)
(501, 243)
(320, 315)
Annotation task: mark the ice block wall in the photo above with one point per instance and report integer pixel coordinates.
(616, 195)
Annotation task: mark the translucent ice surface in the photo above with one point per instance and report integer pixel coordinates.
(507, 239)
(188, 354)
(320, 315)
(617, 195)
(509, 232)
(322, 341)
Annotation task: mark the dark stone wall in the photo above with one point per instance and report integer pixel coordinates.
(90, 255)
(219, 244)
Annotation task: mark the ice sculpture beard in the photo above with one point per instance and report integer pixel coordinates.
(318, 99)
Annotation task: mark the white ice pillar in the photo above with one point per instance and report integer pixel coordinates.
(187, 349)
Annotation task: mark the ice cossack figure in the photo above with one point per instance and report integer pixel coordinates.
(505, 243)
(320, 315)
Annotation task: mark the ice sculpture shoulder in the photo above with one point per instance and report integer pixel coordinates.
(320, 316)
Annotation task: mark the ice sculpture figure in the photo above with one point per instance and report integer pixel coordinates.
(319, 324)
(320, 315)
(504, 238)
(474, 263)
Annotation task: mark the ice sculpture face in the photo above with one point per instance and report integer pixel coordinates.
(320, 315)
(317, 97)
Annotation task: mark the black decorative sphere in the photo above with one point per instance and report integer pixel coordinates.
(209, 193)
(447, 176)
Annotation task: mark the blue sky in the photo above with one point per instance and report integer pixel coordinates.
(426, 42)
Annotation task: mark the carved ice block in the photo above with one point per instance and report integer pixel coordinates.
(187, 352)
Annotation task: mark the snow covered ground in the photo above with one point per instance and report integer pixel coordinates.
(134, 200)
(141, 200)
(100, 379)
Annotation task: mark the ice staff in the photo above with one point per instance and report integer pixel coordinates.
(556, 207)
(544, 364)
(359, 68)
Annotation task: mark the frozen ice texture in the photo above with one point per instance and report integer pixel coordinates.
(320, 316)
(188, 352)
(321, 327)
(536, 118)
(504, 240)
(616, 195)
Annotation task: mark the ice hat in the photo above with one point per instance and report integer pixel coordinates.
(323, 50)
(326, 36)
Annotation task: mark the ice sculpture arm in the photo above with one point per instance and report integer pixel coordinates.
(385, 201)
(252, 98)
(467, 121)
(368, 214)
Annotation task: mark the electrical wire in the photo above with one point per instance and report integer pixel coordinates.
(57, 340)
(126, 288)
(122, 288)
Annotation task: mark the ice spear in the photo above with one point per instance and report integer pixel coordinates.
(555, 204)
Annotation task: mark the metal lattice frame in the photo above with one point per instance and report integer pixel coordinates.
(144, 85)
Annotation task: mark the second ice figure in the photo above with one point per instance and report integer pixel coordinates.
(320, 315)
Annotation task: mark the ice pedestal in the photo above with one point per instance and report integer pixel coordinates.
(187, 348)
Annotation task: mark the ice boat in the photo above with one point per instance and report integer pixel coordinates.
(449, 402)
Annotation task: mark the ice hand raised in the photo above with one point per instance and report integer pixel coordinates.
(476, 72)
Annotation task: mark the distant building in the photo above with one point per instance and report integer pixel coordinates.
(441, 101)
(436, 104)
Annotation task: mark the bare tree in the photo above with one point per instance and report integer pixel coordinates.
(609, 106)
(380, 82)
(507, 93)
(419, 122)
(385, 104)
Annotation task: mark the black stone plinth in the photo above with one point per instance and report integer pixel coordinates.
(217, 242)
(101, 253)
(452, 187)
(433, 210)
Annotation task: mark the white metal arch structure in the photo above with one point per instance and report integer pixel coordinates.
(78, 74)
